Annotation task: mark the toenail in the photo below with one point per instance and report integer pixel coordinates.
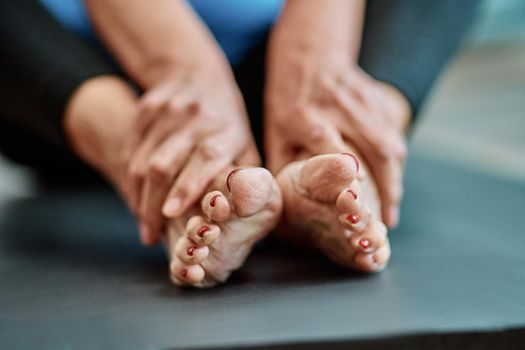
(233, 172)
(191, 250)
(355, 159)
(213, 200)
(352, 193)
(202, 231)
(184, 273)
(364, 243)
(353, 218)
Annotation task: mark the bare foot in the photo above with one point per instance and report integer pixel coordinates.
(331, 203)
(210, 243)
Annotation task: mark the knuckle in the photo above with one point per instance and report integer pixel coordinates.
(383, 149)
(402, 150)
(159, 169)
(206, 113)
(136, 172)
(209, 151)
(148, 104)
(193, 107)
(174, 106)
(190, 187)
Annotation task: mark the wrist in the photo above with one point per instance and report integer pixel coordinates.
(317, 27)
(297, 46)
(183, 64)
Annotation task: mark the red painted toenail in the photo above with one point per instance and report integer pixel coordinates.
(355, 159)
(353, 218)
(233, 172)
(184, 273)
(364, 243)
(213, 200)
(191, 250)
(202, 231)
(352, 192)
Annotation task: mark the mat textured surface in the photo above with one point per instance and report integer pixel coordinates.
(73, 275)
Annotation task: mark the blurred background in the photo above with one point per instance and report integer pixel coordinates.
(475, 116)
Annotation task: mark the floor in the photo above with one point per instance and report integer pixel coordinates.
(476, 115)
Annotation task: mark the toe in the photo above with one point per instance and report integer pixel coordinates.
(189, 252)
(251, 189)
(373, 238)
(182, 274)
(349, 199)
(356, 221)
(201, 232)
(216, 206)
(355, 215)
(374, 262)
(324, 177)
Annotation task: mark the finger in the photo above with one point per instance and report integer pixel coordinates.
(151, 104)
(250, 155)
(149, 107)
(182, 104)
(382, 147)
(138, 165)
(164, 165)
(366, 131)
(389, 180)
(209, 158)
(159, 103)
(279, 151)
(309, 129)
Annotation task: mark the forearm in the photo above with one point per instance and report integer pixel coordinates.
(330, 28)
(154, 38)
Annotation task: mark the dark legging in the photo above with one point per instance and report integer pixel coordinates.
(405, 43)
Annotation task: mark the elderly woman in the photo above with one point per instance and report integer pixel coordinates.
(162, 96)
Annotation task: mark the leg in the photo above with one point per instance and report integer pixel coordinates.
(407, 42)
(205, 244)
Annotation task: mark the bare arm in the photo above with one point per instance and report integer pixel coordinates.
(330, 27)
(151, 38)
(316, 85)
(191, 121)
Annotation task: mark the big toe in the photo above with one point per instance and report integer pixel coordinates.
(323, 177)
(251, 189)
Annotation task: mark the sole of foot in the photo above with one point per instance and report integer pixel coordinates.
(331, 203)
(211, 242)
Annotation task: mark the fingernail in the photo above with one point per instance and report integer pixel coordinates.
(171, 206)
(393, 216)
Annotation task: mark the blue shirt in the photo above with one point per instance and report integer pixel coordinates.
(238, 25)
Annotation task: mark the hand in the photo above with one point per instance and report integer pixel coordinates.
(188, 129)
(319, 106)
